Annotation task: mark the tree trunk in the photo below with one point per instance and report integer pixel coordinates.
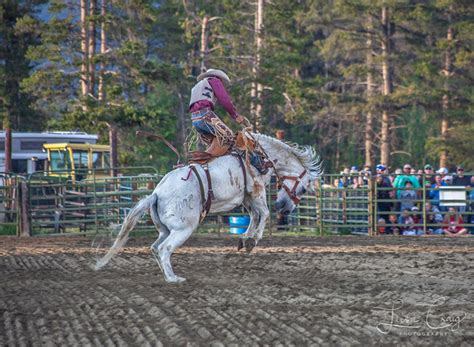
(84, 50)
(369, 150)
(257, 88)
(103, 48)
(113, 149)
(8, 147)
(387, 87)
(204, 43)
(338, 143)
(447, 71)
(182, 124)
(92, 41)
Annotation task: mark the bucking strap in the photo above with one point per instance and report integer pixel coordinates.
(206, 203)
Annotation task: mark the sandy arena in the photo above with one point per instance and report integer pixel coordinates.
(296, 291)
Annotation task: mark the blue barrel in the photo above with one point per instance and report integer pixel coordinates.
(238, 224)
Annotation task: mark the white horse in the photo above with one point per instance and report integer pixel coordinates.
(177, 202)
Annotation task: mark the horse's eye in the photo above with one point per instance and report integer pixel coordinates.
(303, 191)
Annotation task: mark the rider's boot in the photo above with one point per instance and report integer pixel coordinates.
(217, 149)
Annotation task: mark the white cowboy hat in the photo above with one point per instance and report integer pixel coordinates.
(215, 73)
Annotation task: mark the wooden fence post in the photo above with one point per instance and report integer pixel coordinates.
(25, 229)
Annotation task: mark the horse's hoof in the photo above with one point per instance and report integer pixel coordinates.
(240, 245)
(250, 244)
(175, 279)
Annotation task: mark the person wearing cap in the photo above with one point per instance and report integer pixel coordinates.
(400, 181)
(443, 171)
(429, 174)
(209, 91)
(384, 195)
(462, 180)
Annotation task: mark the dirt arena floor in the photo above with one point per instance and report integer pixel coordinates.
(334, 291)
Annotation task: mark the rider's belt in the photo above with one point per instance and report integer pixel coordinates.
(198, 115)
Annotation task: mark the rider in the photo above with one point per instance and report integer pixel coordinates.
(210, 90)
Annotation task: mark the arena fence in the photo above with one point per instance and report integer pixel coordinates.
(43, 204)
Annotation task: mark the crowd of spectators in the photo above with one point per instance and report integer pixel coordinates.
(407, 195)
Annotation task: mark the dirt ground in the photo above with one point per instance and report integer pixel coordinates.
(296, 291)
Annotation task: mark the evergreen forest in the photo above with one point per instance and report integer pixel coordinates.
(363, 81)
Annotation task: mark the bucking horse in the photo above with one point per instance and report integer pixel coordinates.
(186, 194)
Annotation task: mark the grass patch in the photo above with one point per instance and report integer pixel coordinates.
(8, 229)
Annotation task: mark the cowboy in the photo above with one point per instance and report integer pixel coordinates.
(209, 91)
(219, 138)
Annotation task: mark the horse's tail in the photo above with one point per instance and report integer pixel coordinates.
(128, 224)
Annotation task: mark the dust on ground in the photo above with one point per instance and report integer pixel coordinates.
(336, 290)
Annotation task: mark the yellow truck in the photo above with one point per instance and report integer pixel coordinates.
(77, 161)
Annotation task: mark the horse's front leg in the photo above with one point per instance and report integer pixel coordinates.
(259, 208)
(250, 232)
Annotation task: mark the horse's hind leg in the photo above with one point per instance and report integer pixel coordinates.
(164, 233)
(175, 239)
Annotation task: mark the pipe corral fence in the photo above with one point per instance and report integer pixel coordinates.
(41, 204)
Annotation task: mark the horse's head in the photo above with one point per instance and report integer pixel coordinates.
(296, 169)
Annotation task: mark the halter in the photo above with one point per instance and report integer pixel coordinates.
(280, 179)
(291, 192)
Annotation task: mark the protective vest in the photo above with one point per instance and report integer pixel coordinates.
(202, 91)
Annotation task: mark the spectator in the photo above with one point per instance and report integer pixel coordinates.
(417, 220)
(434, 193)
(453, 223)
(443, 171)
(413, 171)
(397, 173)
(429, 174)
(427, 180)
(344, 181)
(471, 203)
(460, 179)
(448, 180)
(366, 174)
(383, 193)
(402, 179)
(392, 226)
(381, 169)
(356, 179)
(464, 181)
(381, 226)
(407, 197)
(407, 223)
(433, 216)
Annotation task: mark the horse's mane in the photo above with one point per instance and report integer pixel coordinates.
(307, 155)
